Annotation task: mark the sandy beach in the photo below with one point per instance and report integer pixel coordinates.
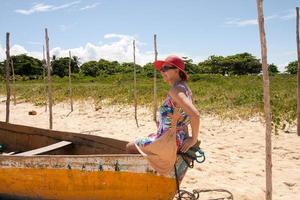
(235, 150)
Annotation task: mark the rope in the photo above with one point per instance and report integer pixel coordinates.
(196, 154)
(186, 195)
(230, 197)
(177, 183)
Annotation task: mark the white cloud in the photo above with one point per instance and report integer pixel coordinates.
(114, 35)
(35, 8)
(239, 22)
(271, 17)
(40, 7)
(67, 5)
(284, 15)
(2, 53)
(290, 14)
(87, 7)
(17, 50)
(281, 67)
(120, 50)
(198, 59)
(247, 22)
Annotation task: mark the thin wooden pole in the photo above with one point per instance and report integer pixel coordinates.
(7, 73)
(267, 106)
(44, 78)
(135, 95)
(298, 72)
(70, 82)
(49, 80)
(14, 81)
(154, 83)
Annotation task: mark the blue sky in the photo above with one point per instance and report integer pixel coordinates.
(94, 29)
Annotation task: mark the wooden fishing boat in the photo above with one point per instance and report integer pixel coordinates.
(44, 164)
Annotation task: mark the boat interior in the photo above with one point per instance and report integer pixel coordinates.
(22, 140)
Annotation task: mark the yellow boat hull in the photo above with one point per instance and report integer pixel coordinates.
(83, 185)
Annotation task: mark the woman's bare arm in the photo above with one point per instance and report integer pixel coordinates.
(182, 101)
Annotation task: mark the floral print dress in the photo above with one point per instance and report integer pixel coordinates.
(166, 111)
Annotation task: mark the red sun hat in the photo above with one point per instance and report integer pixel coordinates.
(173, 61)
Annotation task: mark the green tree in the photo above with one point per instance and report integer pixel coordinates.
(148, 70)
(190, 67)
(273, 69)
(1, 68)
(60, 66)
(107, 67)
(292, 67)
(244, 63)
(204, 68)
(237, 64)
(27, 65)
(128, 67)
(116, 67)
(214, 65)
(90, 68)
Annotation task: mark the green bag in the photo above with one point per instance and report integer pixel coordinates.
(195, 153)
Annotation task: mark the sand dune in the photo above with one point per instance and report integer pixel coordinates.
(235, 149)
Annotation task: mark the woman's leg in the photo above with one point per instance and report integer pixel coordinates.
(131, 148)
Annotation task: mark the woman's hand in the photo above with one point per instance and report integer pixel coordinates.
(187, 144)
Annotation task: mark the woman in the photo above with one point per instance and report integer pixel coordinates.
(176, 113)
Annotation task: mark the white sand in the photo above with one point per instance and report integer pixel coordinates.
(235, 149)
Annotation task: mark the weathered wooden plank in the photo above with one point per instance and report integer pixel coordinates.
(8, 154)
(45, 149)
(84, 144)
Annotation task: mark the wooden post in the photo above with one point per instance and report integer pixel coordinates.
(135, 95)
(14, 81)
(70, 82)
(154, 83)
(298, 72)
(49, 79)
(267, 107)
(7, 77)
(44, 77)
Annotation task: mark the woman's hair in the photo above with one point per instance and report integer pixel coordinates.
(182, 76)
